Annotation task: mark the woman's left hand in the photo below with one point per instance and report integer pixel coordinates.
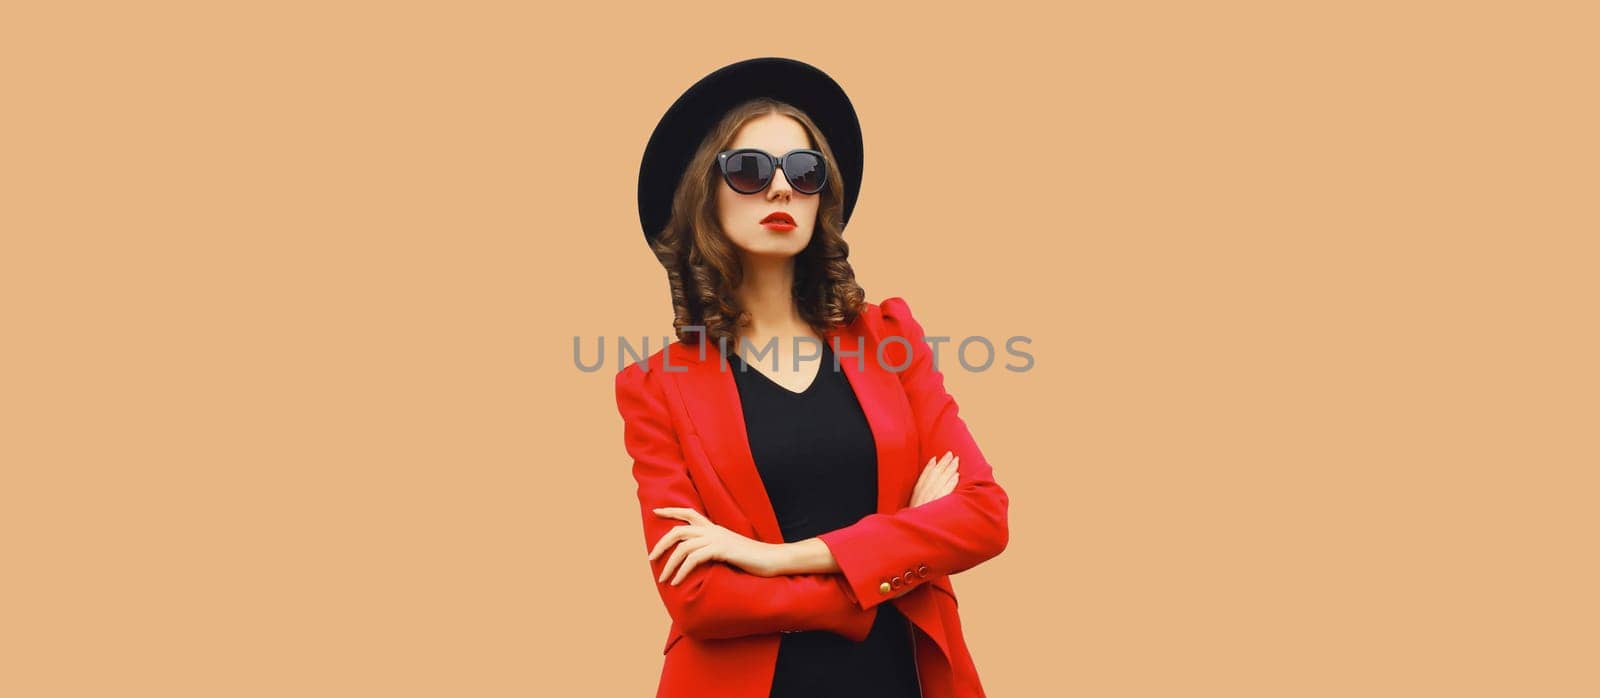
(702, 540)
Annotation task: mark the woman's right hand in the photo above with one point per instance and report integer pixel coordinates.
(938, 479)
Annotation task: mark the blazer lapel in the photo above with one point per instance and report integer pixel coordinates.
(712, 399)
(888, 414)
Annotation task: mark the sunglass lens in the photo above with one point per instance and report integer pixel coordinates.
(749, 173)
(806, 172)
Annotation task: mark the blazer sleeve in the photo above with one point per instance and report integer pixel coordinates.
(717, 600)
(942, 537)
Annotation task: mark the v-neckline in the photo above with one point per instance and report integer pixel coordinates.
(816, 377)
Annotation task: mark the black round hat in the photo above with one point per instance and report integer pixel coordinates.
(699, 108)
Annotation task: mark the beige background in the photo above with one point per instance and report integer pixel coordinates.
(289, 296)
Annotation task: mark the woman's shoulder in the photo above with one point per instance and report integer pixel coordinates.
(674, 357)
(650, 386)
(892, 314)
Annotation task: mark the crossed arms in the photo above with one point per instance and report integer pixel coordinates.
(944, 536)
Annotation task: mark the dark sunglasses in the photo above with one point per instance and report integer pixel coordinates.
(749, 170)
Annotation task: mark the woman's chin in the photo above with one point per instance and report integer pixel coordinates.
(775, 248)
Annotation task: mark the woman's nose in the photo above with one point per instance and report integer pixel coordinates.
(780, 184)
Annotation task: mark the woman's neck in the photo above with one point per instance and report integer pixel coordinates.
(767, 293)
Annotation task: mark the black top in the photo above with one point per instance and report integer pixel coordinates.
(817, 458)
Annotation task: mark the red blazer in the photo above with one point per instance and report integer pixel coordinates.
(684, 428)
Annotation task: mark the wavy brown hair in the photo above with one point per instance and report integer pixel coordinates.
(703, 265)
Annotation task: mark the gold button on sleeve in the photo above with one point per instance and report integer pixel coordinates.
(883, 588)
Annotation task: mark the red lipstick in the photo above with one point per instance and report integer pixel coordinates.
(778, 221)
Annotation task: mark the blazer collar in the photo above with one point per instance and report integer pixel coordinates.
(711, 397)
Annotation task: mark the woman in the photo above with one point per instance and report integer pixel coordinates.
(802, 516)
